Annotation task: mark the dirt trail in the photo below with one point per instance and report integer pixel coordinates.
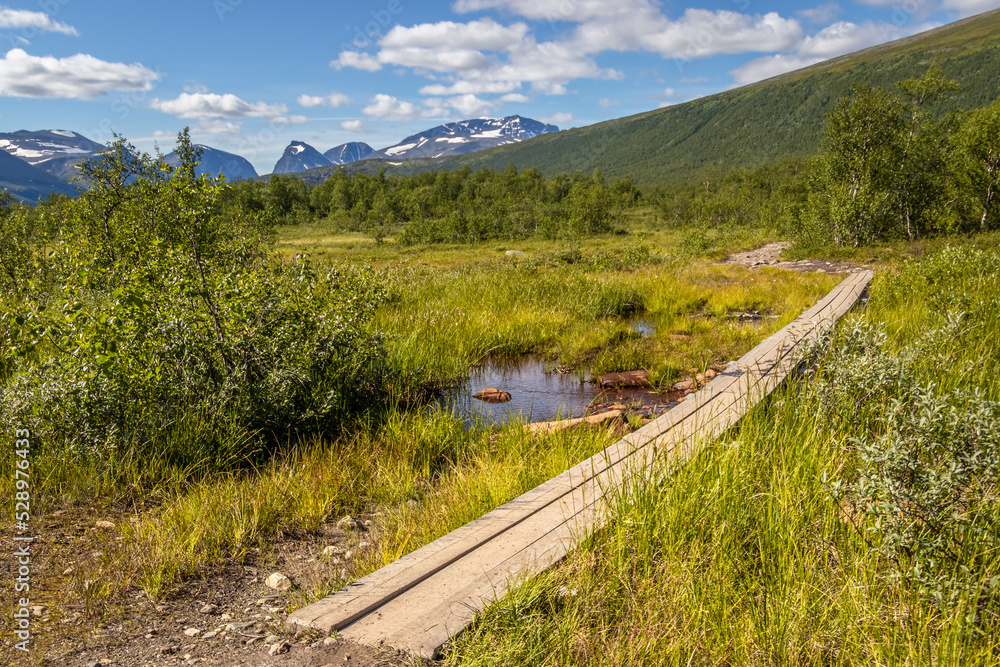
(770, 254)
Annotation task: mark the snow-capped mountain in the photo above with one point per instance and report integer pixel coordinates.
(465, 136)
(54, 151)
(28, 183)
(347, 153)
(300, 156)
(215, 162)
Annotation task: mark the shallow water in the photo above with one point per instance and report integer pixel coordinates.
(537, 395)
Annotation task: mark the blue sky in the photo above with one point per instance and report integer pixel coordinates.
(249, 76)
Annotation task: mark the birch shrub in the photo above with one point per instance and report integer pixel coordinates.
(918, 412)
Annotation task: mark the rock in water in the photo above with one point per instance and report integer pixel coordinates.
(492, 395)
(626, 380)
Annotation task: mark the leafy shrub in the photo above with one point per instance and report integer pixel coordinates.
(158, 326)
(922, 481)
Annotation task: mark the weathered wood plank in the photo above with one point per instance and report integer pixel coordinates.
(421, 600)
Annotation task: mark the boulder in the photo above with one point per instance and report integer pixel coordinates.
(627, 380)
(492, 395)
(514, 253)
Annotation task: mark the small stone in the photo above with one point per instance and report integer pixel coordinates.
(364, 545)
(272, 639)
(210, 609)
(226, 617)
(192, 632)
(687, 384)
(514, 253)
(93, 664)
(278, 581)
(278, 649)
(252, 641)
(38, 610)
(209, 634)
(329, 641)
(348, 554)
(347, 523)
(368, 523)
(167, 650)
(332, 551)
(236, 627)
(107, 525)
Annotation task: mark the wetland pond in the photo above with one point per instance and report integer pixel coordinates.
(537, 395)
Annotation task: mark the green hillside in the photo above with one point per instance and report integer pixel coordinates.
(774, 119)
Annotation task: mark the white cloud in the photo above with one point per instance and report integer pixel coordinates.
(560, 118)
(970, 7)
(607, 102)
(441, 59)
(387, 107)
(356, 60)
(822, 14)
(669, 92)
(470, 105)
(211, 105)
(354, 126)
(331, 100)
(20, 19)
(80, 76)
(217, 127)
(516, 98)
(484, 34)
(289, 120)
(834, 40)
(474, 87)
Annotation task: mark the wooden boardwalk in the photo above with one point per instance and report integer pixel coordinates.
(423, 599)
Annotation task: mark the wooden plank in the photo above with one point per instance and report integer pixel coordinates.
(424, 598)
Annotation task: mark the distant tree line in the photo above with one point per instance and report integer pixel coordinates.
(892, 167)
(461, 206)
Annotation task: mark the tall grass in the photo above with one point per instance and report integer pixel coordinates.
(741, 555)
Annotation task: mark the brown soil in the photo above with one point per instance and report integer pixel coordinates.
(132, 631)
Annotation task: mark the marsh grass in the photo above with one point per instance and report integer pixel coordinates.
(428, 457)
(741, 556)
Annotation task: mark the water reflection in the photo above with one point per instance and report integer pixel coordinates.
(539, 396)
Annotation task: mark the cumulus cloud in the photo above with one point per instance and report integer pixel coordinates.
(834, 40)
(607, 102)
(211, 105)
(387, 107)
(474, 87)
(515, 97)
(21, 19)
(356, 60)
(486, 57)
(354, 126)
(331, 100)
(470, 105)
(80, 76)
(478, 35)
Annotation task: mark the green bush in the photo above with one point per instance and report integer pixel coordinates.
(155, 325)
